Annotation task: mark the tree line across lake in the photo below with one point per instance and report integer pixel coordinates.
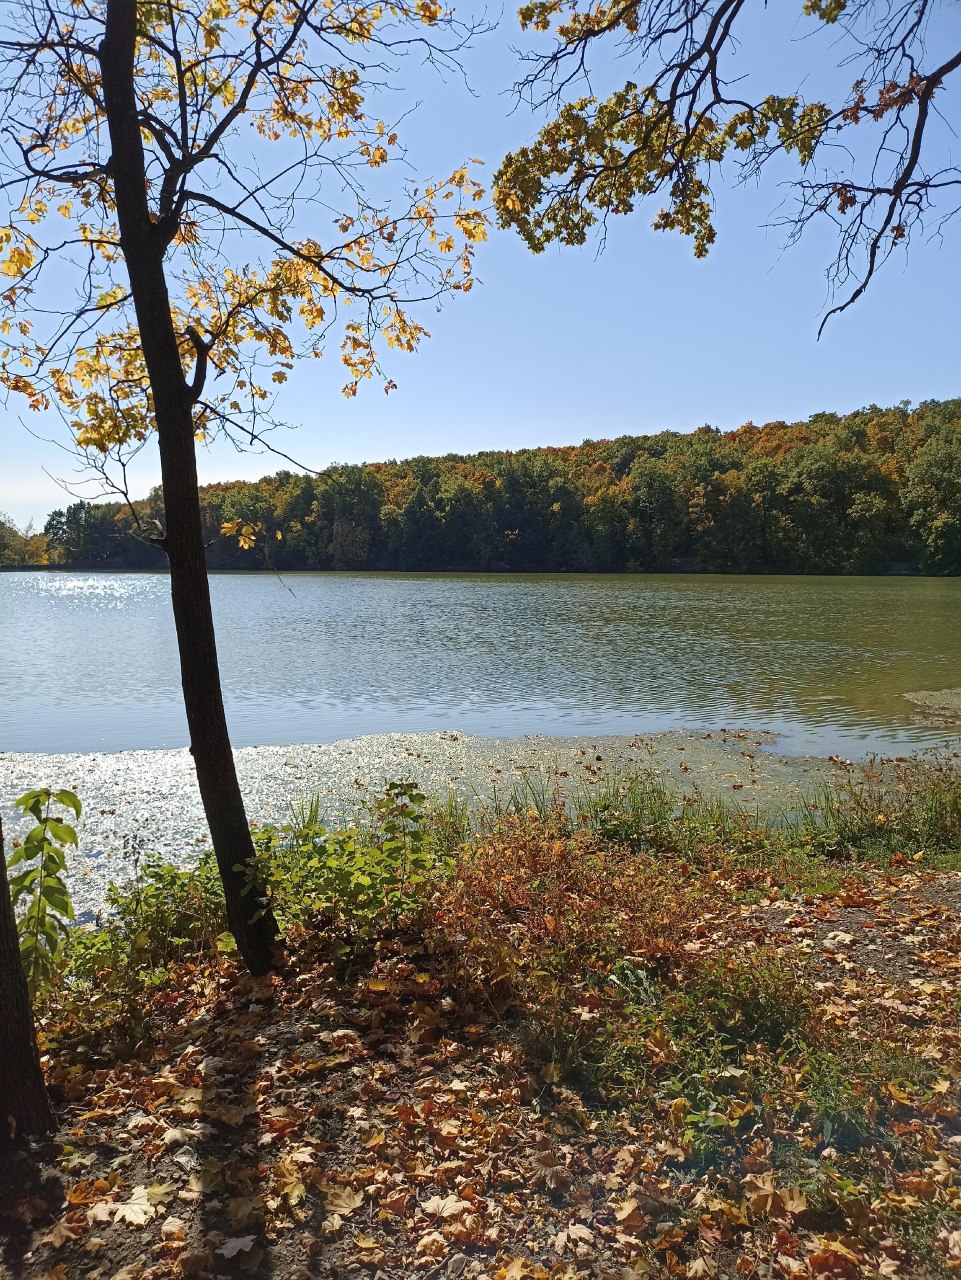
(867, 492)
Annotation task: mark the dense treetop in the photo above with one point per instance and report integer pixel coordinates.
(865, 492)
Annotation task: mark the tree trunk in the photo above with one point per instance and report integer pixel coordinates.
(24, 1104)
(203, 699)
(143, 244)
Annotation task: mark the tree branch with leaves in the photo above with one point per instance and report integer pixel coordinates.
(874, 157)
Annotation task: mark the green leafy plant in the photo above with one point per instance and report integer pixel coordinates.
(163, 920)
(355, 878)
(39, 890)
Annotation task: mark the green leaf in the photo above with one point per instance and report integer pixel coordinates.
(23, 880)
(58, 899)
(33, 802)
(69, 801)
(50, 934)
(61, 831)
(18, 856)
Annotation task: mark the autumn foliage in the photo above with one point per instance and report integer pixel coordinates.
(858, 493)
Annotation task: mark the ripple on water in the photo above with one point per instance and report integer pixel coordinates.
(320, 657)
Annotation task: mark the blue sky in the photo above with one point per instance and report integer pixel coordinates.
(575, 344)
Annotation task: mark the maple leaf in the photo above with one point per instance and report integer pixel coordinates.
(949, 1242)
(61, 1233)
(432, 1245)
(289, 1181)
(342, 1201)
(176, 1137)
(80, 1193)
(625, 1209)
(550, 1172)
(794, 1199)
(138, 1210)
(236, 1244)
(371, 1250)
(395, 1201)
(240, 1209)
(32, 1208)
(445, 1206)
(701, 1268)
(199, 1184)
(522, 1269)
(577, 1231)
(834, 1262)
(159, 1193)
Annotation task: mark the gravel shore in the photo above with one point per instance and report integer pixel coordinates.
(138, 802)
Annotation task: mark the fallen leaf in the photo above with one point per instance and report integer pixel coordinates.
(343, 1200)
(138, 1210)
(445, 1206)
(61, 1233)
(237, 1244)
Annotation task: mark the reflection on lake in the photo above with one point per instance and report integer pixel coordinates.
(89, 661)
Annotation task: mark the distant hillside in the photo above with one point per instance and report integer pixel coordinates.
(874, 491)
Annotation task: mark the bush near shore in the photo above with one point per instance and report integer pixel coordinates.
(630, 1034)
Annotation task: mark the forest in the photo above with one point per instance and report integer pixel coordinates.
(875, 491)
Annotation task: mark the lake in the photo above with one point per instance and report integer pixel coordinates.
(88, 661)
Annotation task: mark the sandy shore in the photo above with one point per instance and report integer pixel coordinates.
(139, 802)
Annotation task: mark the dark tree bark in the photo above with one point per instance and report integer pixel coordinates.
(143, 241)
(24, 1105)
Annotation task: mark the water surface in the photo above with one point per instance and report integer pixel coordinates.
(88, 661)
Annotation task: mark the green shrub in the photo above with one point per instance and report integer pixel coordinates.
(355, 879)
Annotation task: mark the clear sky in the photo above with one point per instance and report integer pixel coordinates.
(572, 344)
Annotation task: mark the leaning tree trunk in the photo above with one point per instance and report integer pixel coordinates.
(143, 241)
(24, 1104)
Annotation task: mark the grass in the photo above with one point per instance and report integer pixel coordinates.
(890, 813)
(600, 876)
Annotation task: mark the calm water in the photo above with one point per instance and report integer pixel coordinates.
(87, 661)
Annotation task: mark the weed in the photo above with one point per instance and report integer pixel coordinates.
(761, 997)
(908, 810)
(39, 890)
(355, 879)
(164, 917)
(637, 810)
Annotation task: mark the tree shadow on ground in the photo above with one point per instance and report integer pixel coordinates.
(31, 1192)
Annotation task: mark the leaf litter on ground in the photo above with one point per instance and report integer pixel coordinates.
(379, 1116)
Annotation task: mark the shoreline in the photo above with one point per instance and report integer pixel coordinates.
(899, 571)
(143, 802)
